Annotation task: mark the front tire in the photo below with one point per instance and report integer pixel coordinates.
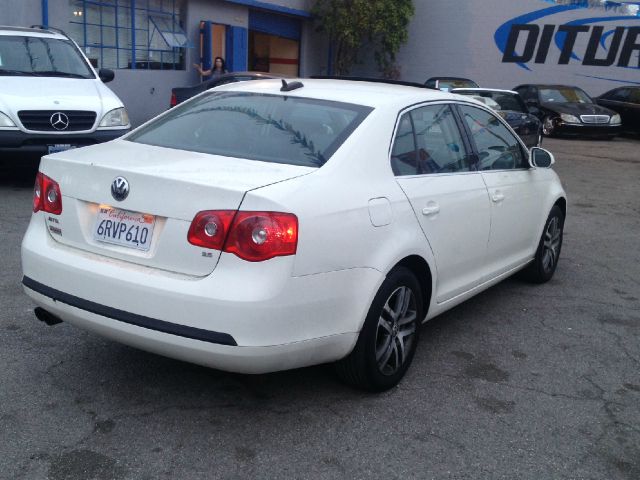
(388, 339)
(548, 126)
(544, 264)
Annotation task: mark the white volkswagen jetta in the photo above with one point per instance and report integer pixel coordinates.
(264, 226)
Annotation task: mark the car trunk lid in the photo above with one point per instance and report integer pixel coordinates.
(167, 188)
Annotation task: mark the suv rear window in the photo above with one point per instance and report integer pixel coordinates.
(269, 128)
(41, 56)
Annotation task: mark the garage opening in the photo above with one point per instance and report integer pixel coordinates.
(274, 43)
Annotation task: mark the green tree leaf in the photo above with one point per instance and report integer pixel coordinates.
(354, 26)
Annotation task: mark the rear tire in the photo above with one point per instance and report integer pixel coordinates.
(388, 339)
(544, 264)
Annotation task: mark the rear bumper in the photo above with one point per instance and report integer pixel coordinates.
(16, 139)
(126, 317)
(249, 360)
(276, 321)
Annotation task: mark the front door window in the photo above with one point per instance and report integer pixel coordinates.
(498, 148)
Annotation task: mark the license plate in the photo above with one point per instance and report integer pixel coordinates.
(59, 147)
(125, 228)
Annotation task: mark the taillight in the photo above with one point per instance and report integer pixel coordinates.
(252, 236)
(174, 100)
(46, 195)
(209, 228)
(258, 236)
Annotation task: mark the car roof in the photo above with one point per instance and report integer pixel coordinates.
(253, 74)
(30, 32)
(449, 78)
(547, 85)
(632, 87)
(372, 94)
(473, 89)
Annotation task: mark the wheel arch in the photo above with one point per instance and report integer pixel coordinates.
(421, 269)
(562, 203)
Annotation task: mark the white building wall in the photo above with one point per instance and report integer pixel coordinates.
(457, 38)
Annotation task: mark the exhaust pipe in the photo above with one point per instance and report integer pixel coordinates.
(46, 317)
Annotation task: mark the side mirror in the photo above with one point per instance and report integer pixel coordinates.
(541, 158)
(106, 75)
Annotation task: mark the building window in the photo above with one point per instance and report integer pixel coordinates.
(136, 34)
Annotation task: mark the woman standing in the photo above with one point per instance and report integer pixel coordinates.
(217, 70)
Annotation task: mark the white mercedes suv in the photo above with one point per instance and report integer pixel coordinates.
(51, 98)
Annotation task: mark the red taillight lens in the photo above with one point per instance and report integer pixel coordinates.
(174, 100)
(46, 195)
(252, 236)
(209, 228)
(258, 236)
(37, 193)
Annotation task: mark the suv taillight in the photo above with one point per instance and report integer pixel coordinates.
(46, 195)
(174, 100)
(252, 236)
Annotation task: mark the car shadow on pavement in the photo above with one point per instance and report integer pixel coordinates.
(126, 373)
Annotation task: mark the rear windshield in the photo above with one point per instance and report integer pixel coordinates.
(269, 128)
(41, 57)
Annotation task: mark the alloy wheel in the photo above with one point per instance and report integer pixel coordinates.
(551, 244)
(396, 330)
(548, 126)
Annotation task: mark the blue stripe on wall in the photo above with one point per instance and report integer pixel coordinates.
(272, 7)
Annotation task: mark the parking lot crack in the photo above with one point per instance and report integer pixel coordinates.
(623, 348)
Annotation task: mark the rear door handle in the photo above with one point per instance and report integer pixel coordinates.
(497, 197)
(431, 209)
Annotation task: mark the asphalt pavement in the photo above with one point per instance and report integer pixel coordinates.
(521, 382)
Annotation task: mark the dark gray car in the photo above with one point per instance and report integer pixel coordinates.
(180, 94)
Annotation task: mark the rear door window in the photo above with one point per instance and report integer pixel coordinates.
(428, 141)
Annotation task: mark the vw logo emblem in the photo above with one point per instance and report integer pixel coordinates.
(120, 188)
(59, 121)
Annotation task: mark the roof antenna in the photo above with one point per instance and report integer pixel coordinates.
(287, 87)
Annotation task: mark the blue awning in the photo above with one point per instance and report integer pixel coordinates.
(280, 25)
